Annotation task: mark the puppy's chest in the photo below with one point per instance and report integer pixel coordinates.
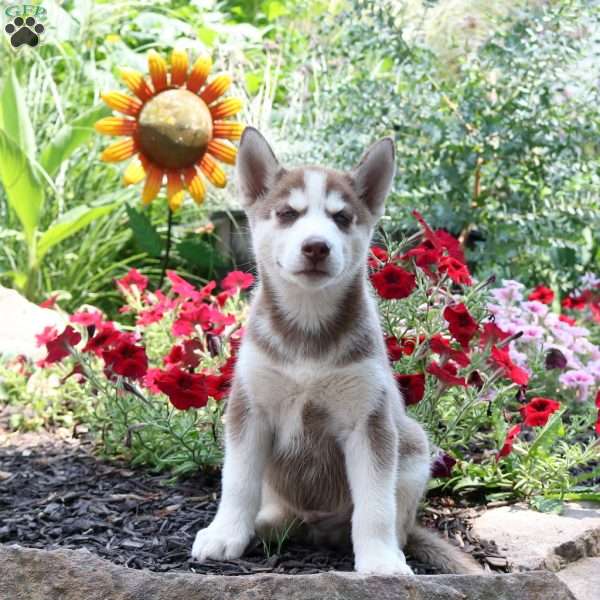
(309, 400)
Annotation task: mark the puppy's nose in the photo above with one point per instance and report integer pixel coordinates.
(315, 249)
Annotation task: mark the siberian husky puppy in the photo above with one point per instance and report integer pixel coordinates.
(315, 427)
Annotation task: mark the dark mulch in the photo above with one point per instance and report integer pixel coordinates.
(58, 494)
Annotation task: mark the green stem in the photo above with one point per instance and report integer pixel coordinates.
(165, 263)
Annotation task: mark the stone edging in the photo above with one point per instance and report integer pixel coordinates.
(30, 574)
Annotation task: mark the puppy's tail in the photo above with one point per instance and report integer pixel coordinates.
(429, 548)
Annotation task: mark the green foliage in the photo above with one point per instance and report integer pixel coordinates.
(503, 151)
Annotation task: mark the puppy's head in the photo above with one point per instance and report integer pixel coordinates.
(311, 226)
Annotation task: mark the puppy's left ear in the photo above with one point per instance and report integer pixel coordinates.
(374, 174)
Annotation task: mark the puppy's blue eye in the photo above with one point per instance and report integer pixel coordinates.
(288, 214)
(342, 219)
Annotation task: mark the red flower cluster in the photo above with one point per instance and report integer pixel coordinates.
(589, 298)
(197, 320)
(440, 251)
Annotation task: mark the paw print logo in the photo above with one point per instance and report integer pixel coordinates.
(24, 31)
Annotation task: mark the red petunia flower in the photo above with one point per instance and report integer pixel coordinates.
(210, 319)
(87, 318)
(441, 346)
(393, 282)
(425, 257)
(222, 298)
(412, 387)
(133, 278)
(442, 465)
(542, 294)
(457, 271)
(185, 354)
(492, 334)
(104, 337)
(59, 346)
(512, 434)
(49, 302)
(566, 319)
(537, 412)
(236, 281)
(475, 380)
(126, 359)
(396, 349)
(48, 333)
(461, 324)
(500, 357)
(377, 257)
(185, 390)
(181, 287)
(597, 428)
(446, 373)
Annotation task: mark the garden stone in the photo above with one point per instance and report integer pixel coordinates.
(583, 578)
(20, 321)
(30, 574)
(534, 540)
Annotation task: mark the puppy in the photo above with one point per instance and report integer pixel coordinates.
(315, 427)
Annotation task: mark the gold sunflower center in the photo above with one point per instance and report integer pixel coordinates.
(174, 129)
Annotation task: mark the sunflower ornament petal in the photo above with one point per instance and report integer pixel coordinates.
(175, 125)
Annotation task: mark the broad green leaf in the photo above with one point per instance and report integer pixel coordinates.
(144, 233)
(202, 255)
(70, 223)
(553, 429)
(70, 137)
(24, 191)
(15, 115)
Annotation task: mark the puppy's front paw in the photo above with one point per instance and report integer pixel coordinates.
(389, 562)
(218, 542)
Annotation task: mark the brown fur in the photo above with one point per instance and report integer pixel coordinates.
(382, 437)
(238, 408)
(313, 344)
(298, 474)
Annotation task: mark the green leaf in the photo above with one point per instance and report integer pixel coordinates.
(24, 191)
(70, 137)
(70, 223)
(554, 428)
(201, 254)
(15, 115)
(547, 505)
(144, 233)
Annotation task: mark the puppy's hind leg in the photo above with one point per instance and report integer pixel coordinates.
(274, 516)
(413, 474)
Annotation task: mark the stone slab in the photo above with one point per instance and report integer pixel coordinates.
(30, 574)
(583, 578)
(533, 540)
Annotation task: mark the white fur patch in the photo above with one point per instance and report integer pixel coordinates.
(315, 185)
(334, 202)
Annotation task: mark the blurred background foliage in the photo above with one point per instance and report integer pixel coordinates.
(494, 107)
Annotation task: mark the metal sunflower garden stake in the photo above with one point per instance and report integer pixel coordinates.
(173, 128)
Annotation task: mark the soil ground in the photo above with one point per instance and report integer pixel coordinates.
(54, 492)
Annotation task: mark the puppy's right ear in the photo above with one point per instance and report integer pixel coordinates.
(257, 166)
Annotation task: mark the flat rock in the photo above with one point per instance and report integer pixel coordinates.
(21, 321)
(583, 578)
(29, 574)
(533, 540)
